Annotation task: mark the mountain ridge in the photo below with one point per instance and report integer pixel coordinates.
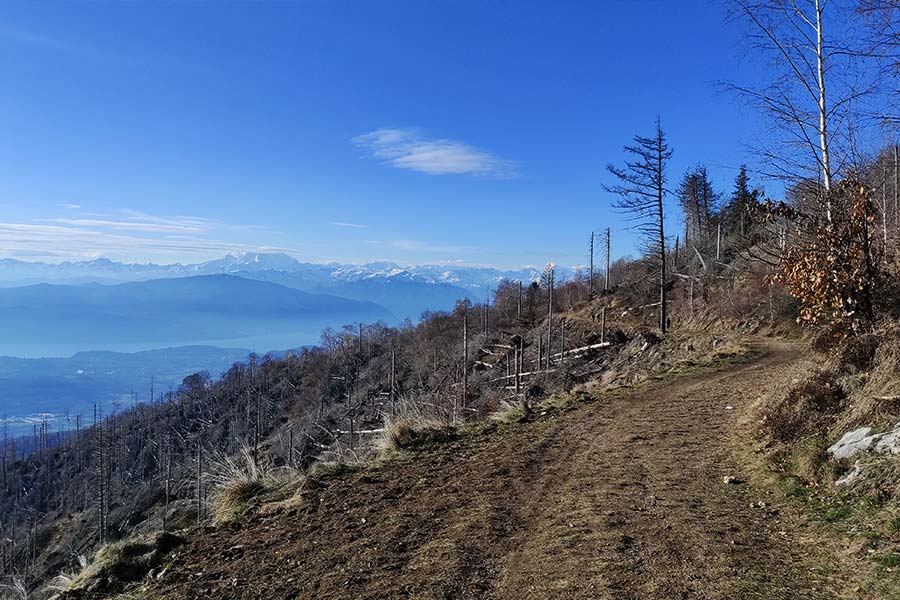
(470, 278)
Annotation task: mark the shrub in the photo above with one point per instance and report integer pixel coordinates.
(808, 407)
(512, 412)
(833, 270)
(408, 433)
(415, 423)
(238, 480)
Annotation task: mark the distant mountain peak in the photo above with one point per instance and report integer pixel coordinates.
(253, 261)
(312, 276)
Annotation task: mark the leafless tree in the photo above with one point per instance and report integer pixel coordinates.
(818, 88)
(641, 191)
(882, 34)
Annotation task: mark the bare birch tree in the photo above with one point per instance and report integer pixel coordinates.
(816, 87)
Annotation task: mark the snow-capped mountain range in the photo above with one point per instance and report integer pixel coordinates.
(475, 280)
(405, 291)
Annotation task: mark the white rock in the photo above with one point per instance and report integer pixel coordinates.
(889, 442)
(849, 476)
(853, 442)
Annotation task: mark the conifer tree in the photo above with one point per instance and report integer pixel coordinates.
(641, 191)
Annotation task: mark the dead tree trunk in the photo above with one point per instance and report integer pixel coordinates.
(606, 278)
(519, 306)
(393, 376)
(549, 317)
(465, 357)
(591, 269)
(603, 325)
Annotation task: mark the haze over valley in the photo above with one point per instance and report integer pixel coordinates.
(206, 316)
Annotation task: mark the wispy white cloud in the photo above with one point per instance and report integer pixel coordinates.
(350, 225)
(68, 206)
(409, 149)
(30, 38)
(134, 236)
(69, 43)
(135, 215)
(129, 225)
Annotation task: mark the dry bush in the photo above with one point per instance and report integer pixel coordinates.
(512, 412)
(833, 269)
(65, 580)
(118, 564)
(857, 354)
(15, 590)
(810, 407)
(238, 480)
(414, 424)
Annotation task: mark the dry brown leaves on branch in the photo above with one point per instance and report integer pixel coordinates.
(832, 269)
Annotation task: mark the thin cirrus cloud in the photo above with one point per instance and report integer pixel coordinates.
(30, 38)
(349, 225)
(131, 220)
(131, 225)
(406, 148)
(126, 235)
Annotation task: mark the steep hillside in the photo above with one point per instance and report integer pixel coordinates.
(424, 432)
(135, 471)
(629, 494)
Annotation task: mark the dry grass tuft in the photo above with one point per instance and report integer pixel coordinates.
(15, 590)
(238, 480)
(65, 580)
(857, 354)
(512, 412)
(410, 433)
(118, 564)
(414, 423)
(876, 397)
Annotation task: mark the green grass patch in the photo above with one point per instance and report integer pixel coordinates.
(893, 525)
(838, 513)
(792, 487)
(890, 560)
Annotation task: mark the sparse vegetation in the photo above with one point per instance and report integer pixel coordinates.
(240, 479)
(119, 564)
(65, 580)
(809, 407)
(512, 412)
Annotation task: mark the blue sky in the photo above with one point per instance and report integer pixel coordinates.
(419, 132)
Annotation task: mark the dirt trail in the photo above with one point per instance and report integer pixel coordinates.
(620, 498)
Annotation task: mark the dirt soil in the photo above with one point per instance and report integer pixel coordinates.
(620, 496)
